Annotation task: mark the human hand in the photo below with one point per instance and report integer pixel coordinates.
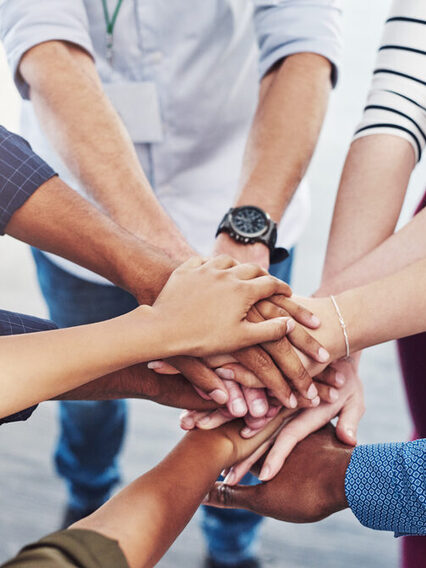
(258, 405)
(258, 366)
(309, 487)
(349, 407)
(257, 252)
(206, 304)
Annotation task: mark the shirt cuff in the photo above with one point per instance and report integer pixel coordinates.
(22, 172)
(385, 487)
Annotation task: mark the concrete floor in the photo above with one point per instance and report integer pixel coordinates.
(32, 497)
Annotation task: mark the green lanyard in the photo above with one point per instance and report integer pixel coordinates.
(110, 23)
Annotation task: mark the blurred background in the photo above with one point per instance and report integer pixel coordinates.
(32, 498)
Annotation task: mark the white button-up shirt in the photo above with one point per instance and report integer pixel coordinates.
(199, 63)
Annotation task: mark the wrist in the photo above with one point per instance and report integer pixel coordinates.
(335, 487)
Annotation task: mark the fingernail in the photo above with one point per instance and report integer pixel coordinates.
(154, 365)
(259, 407)
(291, 324)
(292, 401)
(334, 395)
(265, 473)
(225, 374)
(219, 396)
(246, 431)
(312, 392)
(239, 407)
(204, 421)
(315, 401)
(315, 321)
(229, 479)
(340, 379)
(323, 355)
(351, 434)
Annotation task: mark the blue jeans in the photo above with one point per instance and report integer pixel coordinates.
(92, 432)
(231, 534)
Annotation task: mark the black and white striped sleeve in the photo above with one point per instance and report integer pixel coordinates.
(396, 103)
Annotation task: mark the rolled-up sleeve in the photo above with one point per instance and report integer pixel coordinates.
(12, 323)
(25, 23)
(286, 27)
(22, 172)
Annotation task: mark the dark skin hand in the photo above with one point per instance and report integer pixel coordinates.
(309, 487)
(140, 382)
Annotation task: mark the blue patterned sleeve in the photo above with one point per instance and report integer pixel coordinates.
(14, 324)
(21, 173)
(386, 487)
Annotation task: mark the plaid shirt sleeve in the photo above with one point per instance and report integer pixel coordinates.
(15, 324)
(21, 173)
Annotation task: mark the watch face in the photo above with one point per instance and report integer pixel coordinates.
(249, 221)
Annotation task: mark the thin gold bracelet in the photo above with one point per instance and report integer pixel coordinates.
(342, 325)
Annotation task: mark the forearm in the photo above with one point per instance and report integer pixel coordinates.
(82, 124)
(284, 132)
(147, 516)
(138, 381)
(369, 200)
(386, 309)
(401, 249)
(39, 366)
(58, 220)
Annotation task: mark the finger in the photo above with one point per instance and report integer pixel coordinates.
(202, 377)
(214, 361)
(193, 262)
(201, 393)
(248, 271)
(213, 420)
(228, 497)
(266, 286)
(187, 419)
(254, 426)
(331, 377)
(238, 471)
(256, 401)
(263, 366)
(240, 375)
(162, 368)
(349, 418)
(297, 311)
(308, 421)
(288, 362)
(291, 366)
(298, 336)
(221, 262)
(327, 393)
(236, 404)
(268, 331)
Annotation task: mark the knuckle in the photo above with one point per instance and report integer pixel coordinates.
(225, 494)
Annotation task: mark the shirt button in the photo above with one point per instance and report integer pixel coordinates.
(155, 57)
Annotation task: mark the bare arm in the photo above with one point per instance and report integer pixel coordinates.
(149, 514)
(58, 220)
(38, 366)
(371, 193)
(82, 124)
(281, 141)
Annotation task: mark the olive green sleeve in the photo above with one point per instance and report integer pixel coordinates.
(72, 548)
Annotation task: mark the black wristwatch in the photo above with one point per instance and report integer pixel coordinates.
(249, 224)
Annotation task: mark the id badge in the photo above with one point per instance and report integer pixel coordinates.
(139, 108)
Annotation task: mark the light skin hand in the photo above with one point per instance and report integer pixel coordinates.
(220, 294)
(349, 408)
(308, 488)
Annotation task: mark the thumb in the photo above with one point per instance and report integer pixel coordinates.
(269, 330)
(349, 418)
(232, 496)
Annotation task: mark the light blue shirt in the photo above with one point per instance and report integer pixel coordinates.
(386, 487)
(195, 65)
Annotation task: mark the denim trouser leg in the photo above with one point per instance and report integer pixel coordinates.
(231, 534)
(91, 432)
